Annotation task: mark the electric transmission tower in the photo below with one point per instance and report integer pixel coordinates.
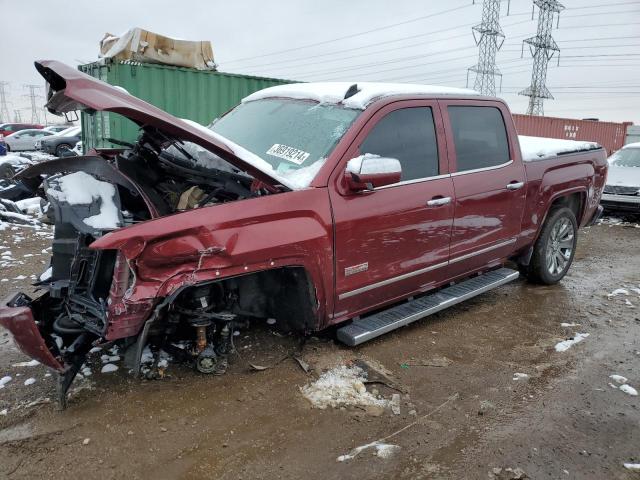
(17, 117)
(542, 47)
(35, 115)
(4, 109)
(489, 38)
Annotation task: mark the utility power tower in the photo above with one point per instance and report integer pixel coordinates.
(4, 109)
(489, 38)
(35, 115)
(17, 117)
(542, 47)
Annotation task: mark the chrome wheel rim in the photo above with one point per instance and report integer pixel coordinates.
(560, 246)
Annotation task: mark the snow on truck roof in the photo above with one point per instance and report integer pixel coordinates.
(632, 145)
(539, 148)
(334, 92)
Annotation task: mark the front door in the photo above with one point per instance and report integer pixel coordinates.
(394, 241)
(488, 178)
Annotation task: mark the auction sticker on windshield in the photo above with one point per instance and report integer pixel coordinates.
(288, 153)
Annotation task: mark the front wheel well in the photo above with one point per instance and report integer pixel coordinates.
(286, 294)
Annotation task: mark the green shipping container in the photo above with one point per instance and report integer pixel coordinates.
(197, 95)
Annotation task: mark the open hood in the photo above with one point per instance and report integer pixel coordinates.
(69, 90)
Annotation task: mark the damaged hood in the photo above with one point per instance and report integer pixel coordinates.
(69, 90)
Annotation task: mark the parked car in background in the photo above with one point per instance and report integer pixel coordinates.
(622, 191)
(7, 129)
(3, 146)
(56, 128)
(25, 139)
(61, 142)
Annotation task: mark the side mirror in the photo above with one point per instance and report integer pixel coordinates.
(369, 171)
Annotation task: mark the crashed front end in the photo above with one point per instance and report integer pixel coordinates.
(91, 294)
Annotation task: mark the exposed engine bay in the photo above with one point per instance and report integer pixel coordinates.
(93, 195)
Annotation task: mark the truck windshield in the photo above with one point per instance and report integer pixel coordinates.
(293, 136)
(628, 157)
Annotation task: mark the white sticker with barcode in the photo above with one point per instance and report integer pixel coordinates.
(288, 153)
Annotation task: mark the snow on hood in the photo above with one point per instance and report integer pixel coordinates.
(540, 148)
(333, 92)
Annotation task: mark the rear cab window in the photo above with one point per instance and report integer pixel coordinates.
(408, 135)
(479, 137)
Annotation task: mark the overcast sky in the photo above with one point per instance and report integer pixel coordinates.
(377, 40)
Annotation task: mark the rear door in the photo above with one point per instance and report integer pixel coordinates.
(488, 178)
(394, 240)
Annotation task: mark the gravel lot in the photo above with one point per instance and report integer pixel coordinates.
(468, 414)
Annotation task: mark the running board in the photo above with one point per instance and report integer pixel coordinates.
(364, 329)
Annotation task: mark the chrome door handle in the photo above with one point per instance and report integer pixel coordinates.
(515, 186)
(436, 202)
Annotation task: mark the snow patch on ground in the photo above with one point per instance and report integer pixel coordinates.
(4, 380)
(29, 381)
(383, 450)
(566, 325)
(108, 368)
(632, 466)
(567, 344)
(520, 376)
(618, 378)
(618, 291)
(30, 363)
(629, 390)
(339, 387)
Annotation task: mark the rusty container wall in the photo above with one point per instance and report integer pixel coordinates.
(198, 95)
(608, 134)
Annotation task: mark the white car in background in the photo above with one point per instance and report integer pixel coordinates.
(622, 191)
(25, 139)
(56, 128)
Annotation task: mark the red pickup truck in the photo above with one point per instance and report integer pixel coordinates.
(366, 206)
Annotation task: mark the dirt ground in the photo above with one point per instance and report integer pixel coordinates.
(465, 413)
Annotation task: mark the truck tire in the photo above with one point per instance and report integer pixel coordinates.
(554, 250)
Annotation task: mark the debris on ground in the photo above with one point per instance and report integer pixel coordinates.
(340, 387)
(507, 474)
(383, 450)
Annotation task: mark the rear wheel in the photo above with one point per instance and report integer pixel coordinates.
(555, 248)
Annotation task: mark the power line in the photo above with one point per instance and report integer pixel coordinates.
(358, 34)
(413, 36)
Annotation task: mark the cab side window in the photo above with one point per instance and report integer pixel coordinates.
(409, 135)
(479, 136)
